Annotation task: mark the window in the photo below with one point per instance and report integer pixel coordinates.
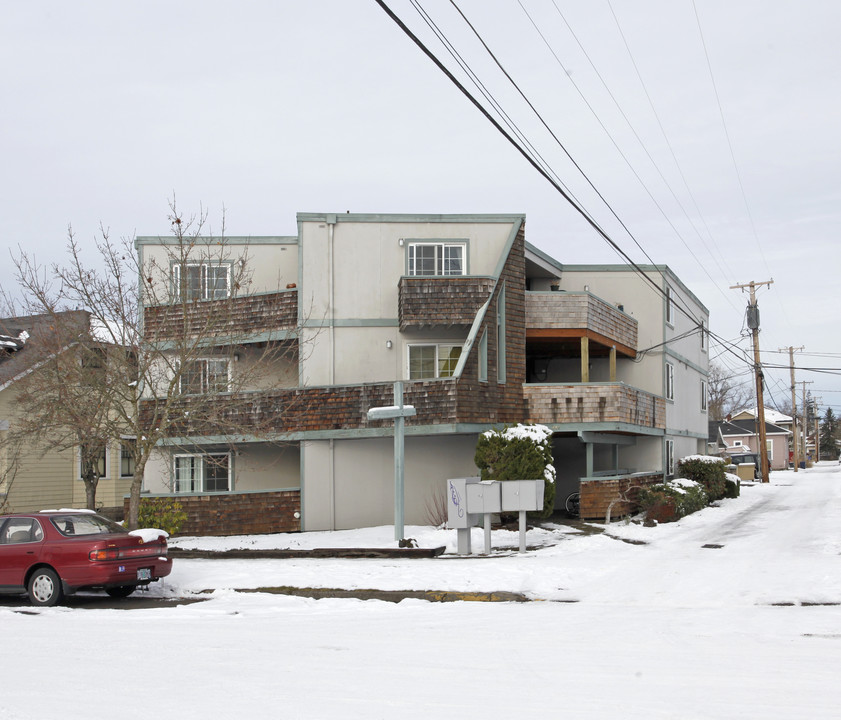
(436, 259)
(703, 336)
(96, 457)
(670, 458)
(127, 448)
(21, 530)
(433, 361)
(704, 395)
(207, 375)
(500, 336)
(670, 308)
(670, 381)
(202, 281)
(208, 472)
(483, 356)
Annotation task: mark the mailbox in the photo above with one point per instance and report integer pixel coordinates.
(484, 497)
(457, 515)
(522, 495)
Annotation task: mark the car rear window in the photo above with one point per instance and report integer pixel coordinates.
(86, 524)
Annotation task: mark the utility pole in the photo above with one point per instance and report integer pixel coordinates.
(753, 324)
(805, 418)
(795, 443)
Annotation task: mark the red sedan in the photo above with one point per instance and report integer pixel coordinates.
(54, 553)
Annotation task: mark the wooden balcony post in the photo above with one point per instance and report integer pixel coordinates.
(613, 363)
(585, 359)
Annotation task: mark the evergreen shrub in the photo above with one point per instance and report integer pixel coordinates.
(708, 471)
(680, 495)
(162, 514)
(519, 452)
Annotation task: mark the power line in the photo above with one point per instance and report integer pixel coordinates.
(531, 160)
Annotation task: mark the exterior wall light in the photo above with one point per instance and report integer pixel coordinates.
(388, 344)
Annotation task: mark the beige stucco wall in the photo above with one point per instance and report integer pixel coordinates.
(352, 484)
(346, 342)
(255, 466)
(270, 266)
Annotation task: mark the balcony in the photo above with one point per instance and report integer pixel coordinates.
(441, 301)
(306, 409)
(611, 403)
(236, 317)
(573, 315)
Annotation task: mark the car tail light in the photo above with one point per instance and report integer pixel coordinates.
(107, 554)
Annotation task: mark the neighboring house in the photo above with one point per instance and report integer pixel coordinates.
(39, 476)
(483, 329)
(740, 436)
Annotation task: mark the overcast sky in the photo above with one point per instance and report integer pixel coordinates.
(269, 108)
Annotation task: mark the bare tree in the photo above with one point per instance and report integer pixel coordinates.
(725, 393)
(176, 357)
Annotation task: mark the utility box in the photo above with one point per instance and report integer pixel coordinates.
(746, 471)
(522, 495)
(457, 514)
(484, 497)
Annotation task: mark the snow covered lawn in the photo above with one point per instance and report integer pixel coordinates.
(660, 627)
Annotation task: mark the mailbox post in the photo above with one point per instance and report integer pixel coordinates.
(522, 496)
(485, 497)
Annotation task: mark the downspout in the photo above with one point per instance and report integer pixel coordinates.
(331, 224)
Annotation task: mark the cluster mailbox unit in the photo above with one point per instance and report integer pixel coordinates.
(468, 499)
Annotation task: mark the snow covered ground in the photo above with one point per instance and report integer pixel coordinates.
(632, 623)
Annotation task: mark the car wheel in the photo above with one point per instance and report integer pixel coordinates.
(45, 588)
(121, 591)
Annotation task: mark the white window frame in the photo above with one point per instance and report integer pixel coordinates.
(198, 479)
(204, 379)
(703, 336)
(439, 359)
(439, 259)
(205, 291)
(669, 460)
(670, 381)
(703, 396)
(670, 307)
(107, 472)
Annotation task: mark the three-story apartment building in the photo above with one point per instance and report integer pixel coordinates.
(482, 328)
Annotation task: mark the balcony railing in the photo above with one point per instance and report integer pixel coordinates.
(235, 317)
(307, 409)
(594, 403)
(559, 311)
(441, 301)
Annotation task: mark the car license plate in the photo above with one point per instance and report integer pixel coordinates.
(144, 574)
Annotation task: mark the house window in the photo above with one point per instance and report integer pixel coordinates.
(207, 472)
(202, 281)
(704, 395)
(670, 381)
(97, 458)
(127, 450)
(500, 336)
(670, 307)
(433, 361)
(483, 356)
(436, 259)
(203, 376)
(670, 458)
(703, 336)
